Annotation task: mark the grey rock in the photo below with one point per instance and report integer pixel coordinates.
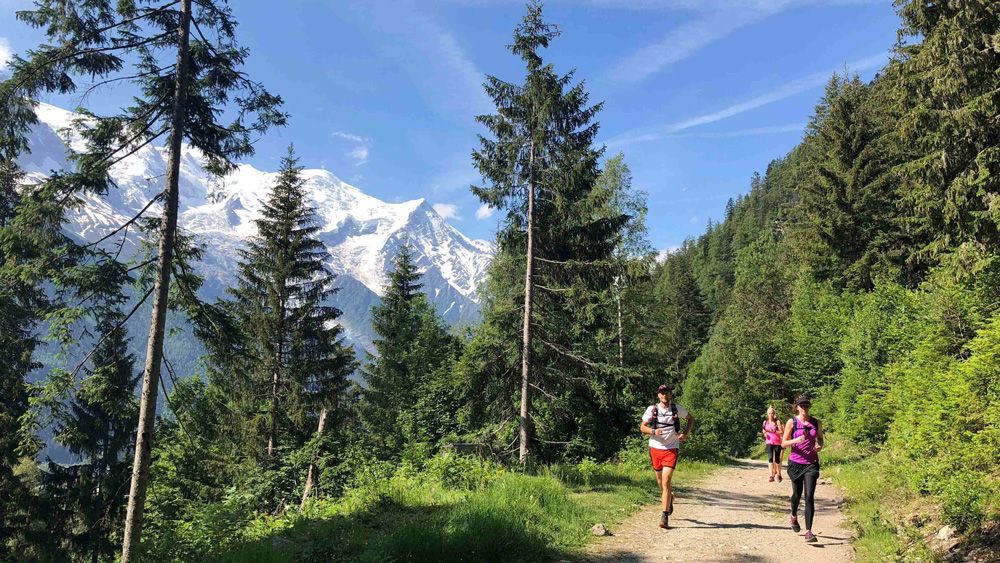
(600, 530)
(946, 533)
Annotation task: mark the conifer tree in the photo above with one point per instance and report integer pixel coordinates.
(848, 197)
(182, 85)
(682, 318)
(542, 169)
(99, 428)
(20, 306)
(390, 375)
(951, 97)
(297, 365)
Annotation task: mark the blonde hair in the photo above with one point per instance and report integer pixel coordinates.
(767, 415)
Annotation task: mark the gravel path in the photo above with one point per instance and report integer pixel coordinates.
(735, 514)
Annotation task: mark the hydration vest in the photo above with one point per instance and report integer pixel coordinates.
(656, 418)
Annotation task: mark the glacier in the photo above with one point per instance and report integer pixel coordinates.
(361, 233)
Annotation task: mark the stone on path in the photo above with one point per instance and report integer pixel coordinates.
(600, 530)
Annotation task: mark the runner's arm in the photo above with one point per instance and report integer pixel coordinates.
(786, 440)
(645, 429)
(687, 429)
(819, 435)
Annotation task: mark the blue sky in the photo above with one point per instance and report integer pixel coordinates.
(698, 93)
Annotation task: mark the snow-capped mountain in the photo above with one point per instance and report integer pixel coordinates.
(361, 233)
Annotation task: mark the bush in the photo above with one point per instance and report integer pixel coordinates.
(462, 472)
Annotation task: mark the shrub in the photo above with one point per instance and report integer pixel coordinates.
(462, 472)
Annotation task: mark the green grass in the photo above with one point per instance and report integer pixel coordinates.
(507, 516)
(887, 517)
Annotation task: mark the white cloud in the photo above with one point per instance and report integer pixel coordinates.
(682, 42)
(662, 254)
(485, 212)
(442, 70)
(362, 146)
(351, 137)
(447, 210)
(716, 19)
(6, 53)
(786, 90)
(791, 128)
(360, 154)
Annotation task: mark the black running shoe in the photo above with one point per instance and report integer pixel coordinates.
(664, 523)
(795, 524)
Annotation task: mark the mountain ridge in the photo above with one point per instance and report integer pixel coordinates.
(362, 234)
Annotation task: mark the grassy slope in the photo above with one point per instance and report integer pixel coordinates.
(506, 517)
(890, 522)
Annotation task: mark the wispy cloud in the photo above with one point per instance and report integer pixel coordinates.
(351, 137)
(682, 42)
(447, 210)
(756, 131)
(442, 70)
(484, 212)
(360, 149)
(359, 154)
(784, 91)
(715, 20)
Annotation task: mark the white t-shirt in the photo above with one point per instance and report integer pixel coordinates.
(665, 420)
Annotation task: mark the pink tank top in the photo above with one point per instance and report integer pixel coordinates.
(804, 453)
(773, 432)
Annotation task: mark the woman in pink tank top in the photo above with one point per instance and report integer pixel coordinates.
(804, 436)
(772, 442)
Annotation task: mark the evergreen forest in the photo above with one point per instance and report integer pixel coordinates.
(862, 269)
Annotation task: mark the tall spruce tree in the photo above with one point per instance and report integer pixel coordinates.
(99, 428)
(297, 365)
(848, 195)
(182, 84)
(20, 307)
(410, 389)
(682, 320)
(949, 77)
(542, 168)
(396, 323)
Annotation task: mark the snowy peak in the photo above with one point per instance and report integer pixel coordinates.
(362, 234)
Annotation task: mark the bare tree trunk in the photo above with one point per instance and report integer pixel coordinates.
(154, 346)
(524, 425)
(621, 336)
(274, 411)
(312, 477)
(272, 429)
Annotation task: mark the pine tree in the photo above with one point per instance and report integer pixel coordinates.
(297, 365)
(951, 99)
(99, 428)
(682, 318)
(558, 235)
(182, 85)
(20, 307)
(848, 197)
(390, 372)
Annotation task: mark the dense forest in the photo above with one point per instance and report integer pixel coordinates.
(861, 268)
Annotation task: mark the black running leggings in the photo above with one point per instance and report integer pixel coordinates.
(805, 488)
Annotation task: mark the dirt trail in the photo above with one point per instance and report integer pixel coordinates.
(733, 515)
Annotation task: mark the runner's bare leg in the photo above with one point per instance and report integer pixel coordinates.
(667, 494)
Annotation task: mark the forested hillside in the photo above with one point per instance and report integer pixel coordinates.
(862, 268)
